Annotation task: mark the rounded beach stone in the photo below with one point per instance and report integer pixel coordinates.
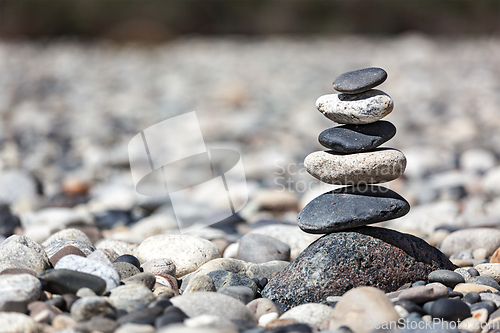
(360, 306)
(21, 252)
(199, 282)
(223, 278)
(19, 288)
(129, 296)
(241, 293)
(349, 207)
(144, 278)
(69, 233)
(187, 252)
(130, 259)
(365, 256)
(422, 294)
(260, 248)
(196, 304)
(465, 288)
(471, 239)
(448, 278)
(349, 139)
(450, 309)
(57, 244)
(159, 266)
(263, 306)
(360, 80)
(485, 281)
(377, 166)
(65, 281)
(489, 270)
(106, 272)
(311, 313)
(125, 269)
(358, 109)
(67, 250)
(18, 322)
(86, 307)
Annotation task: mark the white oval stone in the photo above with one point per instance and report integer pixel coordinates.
(363, 108)
(187, 252)
(377, 166)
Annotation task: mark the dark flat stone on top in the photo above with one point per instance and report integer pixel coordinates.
(350, 207)
(357, 138)
(64, 281)
(360, 80)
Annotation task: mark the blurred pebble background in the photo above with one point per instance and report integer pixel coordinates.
(79, 79)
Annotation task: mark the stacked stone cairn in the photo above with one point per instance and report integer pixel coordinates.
(354, 158)
(351, 254)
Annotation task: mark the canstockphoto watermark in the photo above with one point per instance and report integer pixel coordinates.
(285, 179)
(171, 159)
(435, 323)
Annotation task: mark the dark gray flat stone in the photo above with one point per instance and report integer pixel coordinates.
(367, 256)
(357, 138)
(360, 80)
(446, 277)
(349, 207)
(64, 281)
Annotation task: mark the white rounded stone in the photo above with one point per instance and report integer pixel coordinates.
(363, 108)
(187, 252)
(377, 166)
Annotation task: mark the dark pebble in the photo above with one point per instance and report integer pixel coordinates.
(67, 250)
(485, 280)
(295, 328)
(350, 139)
(145, 316)
(64, 281)
(410, 306)
(455, 294)
(263, 282)
(8, 221)
(472, 271)
(360, 80)
(110, 218)
(419, 283)
(161, 302)
(97, 323)
(428, 306)
(446, 277)
(128, 258)
(351, 206)
(472, 297)
(488, 305)
(450, 309)
(58, 302)
(15, 306)
(171, 315)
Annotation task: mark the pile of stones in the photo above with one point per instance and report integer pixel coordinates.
(352, 254)
(354, 159)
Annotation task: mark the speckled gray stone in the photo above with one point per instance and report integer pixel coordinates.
(349, 207)
(363, 108)
(224, 278)
(260, 248)
(125, 269)
(129, 296)
(85, 265)
(87, 307)
(19, 288)
(348, 139)
(365, 256)
(377, 166)
(360, 80)
(21, 252)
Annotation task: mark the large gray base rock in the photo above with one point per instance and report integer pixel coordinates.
(367, 256)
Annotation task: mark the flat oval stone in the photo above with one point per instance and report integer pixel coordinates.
(360, 80)
(365, 256)
(65, 281)
(349, 207)
(450, 309)
(261, 248)
(448, 278)
(358, 109)
(378, 166)
(348, 139)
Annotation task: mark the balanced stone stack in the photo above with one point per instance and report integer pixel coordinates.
(354, 159)
(352, 254)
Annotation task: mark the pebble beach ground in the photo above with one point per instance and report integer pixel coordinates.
(84, 252)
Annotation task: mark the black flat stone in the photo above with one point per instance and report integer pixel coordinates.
(64, 281)
(350, 207)
(360, 80)
(450, 309)
(349, 139)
